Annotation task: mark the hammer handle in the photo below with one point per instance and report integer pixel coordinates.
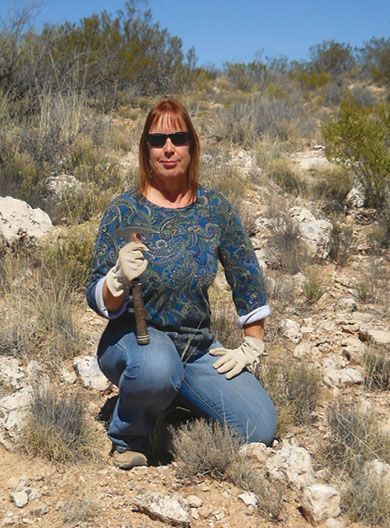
(139, 312)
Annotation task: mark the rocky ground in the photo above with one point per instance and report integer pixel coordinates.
(332, 334)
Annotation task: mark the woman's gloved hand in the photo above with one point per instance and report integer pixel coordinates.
(130, 264)
(232, 362)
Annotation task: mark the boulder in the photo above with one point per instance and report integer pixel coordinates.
(291, 329)
(334, 377)
(291, 464)
(171, 509)
(315, 234)
(90, 374)
(11, 373)
(19, 221)
(320, 502)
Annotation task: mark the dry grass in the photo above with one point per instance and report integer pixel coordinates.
(80, 510)
(57, 428)
(207, 448)
(313, 288)
(377, 362)
(355, 438)
(368, 499)
(294, 389)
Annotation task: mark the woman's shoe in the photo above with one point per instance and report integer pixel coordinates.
(124, 459)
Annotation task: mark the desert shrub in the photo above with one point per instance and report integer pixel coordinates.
(282, 172)
(203, 448)
(244, 122)
(246, 76)
(379, 235)
(295, 391)
(355, 438)
(377, 364)
(313, 287)
(223, 323)
(57, 428)
(342, 241)
(70, 256)
(373, 285)
(310, 80)
(19, 175)
(285, 249)
(80, 510)
(359, 138)
(367, 498)
(331, 187)
(331, 57)
(375, 59)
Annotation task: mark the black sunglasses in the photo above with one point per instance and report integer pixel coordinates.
(179, 139)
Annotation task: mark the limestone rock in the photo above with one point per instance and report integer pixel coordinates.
(342, 377)
(291, 329)
(320, 501)
(18, 220)
(291, 464)
(379, 469)
(171, 509)
(375, 335)
(302, 351)
(193, 501)
(347, 304)
(315, 234)
(11, 373)
(353, 350)
(19, 498)
(17, 400)
(255, 450)
(355, 199)
(90, 374)
(249, 498)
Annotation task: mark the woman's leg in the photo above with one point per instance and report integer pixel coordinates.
(148, 377)
(241, 403)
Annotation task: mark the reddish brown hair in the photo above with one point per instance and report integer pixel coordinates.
(179, 116)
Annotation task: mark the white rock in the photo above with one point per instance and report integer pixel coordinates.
(354, 350)
(291, 464)
(193, 501)
(291, 329)
(88, 369)
(315, 234)
(17, 400)
(321, 502)
(255, 450)
(333, 523)
(19, 220)
(20, 498)
(355, 199)
(342, 377)
(302, 351)
(348, 304)
(11, 373)
(379, 469)
(249, 498)
(171, 509)
(68, 376)
(334, 361)
(379, 337)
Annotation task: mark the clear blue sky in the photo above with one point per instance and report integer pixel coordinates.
(233, 30)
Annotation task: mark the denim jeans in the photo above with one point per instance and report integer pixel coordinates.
(150, 377)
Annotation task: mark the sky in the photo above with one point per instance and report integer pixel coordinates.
(240, 30)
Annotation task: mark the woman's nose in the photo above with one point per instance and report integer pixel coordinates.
(168, 147)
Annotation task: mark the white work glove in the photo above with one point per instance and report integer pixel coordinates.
(130, 264)
(232, 362)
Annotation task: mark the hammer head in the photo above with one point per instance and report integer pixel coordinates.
(129, 232)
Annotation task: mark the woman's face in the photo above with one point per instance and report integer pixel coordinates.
(169, 161)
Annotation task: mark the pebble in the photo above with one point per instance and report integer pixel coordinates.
(194, 501)
(20, 498)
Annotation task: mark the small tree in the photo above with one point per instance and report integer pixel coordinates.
(331, 57)
(360, 138)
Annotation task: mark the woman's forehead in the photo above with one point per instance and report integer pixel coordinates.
(169, 121)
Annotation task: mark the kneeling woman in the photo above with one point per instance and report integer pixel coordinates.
(189, 229)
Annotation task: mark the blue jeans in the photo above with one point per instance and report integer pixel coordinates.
(150, 377)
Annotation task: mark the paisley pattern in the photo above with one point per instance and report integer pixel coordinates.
(184, 248)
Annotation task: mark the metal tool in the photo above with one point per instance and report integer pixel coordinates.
(129, 233)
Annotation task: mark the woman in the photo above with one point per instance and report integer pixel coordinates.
(190, 229)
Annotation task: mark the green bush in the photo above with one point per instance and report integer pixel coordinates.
(359, 138)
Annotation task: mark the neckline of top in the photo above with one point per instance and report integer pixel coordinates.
(183, 208)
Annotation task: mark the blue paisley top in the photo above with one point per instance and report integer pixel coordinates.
(185, 247)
